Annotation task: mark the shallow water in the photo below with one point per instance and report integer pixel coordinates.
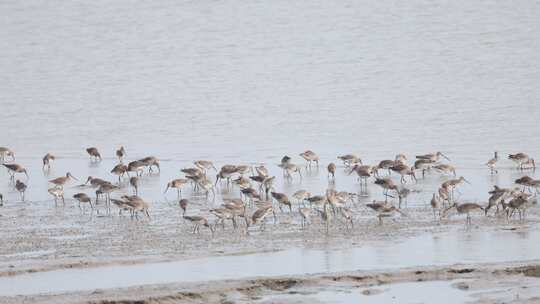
(459, 246)
(424, 292)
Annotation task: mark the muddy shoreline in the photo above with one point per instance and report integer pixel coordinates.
(522, 277)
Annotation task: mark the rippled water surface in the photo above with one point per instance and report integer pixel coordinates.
(248, 81)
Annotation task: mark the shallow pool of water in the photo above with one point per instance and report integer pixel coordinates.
(459, 246)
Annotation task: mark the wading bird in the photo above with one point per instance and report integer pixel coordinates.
(94, 153)
(15, 168)
(310, 157)
(59, 182)
(47, 161)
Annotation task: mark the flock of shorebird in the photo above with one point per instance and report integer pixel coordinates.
(257, 203)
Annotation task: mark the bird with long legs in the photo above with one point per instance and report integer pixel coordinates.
(404, 170)
(14, 169)
(197, 222)
(176, 184)
(149, 162)
(282, 199)
(83, 198)
(434, 157)
(47, 159)
(465, 208)
(204, 165)
(59, 182)
(120, 153)
(21, 187)
(522, 159)
(332, 171)
(57, 193)
(493, 162)
(134, 182)
(350, 160)
(310, 157)
(120, 170)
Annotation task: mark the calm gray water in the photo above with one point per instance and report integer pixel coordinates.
(242, 82)
(249, 81)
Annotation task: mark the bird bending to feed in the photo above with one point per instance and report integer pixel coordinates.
(310, 157)
(120, 170)
(6, 152)
(21, 187)
(57, 193)
(94, 153)
(15, 168)
(465, 208)
(177, 184)
(350, 160)
(522, 159)
(204, 165)
(83, 198)
(47, 161)
(383, 209)
(198, 221)
(332, 170)
(432, 156)
(444, 168)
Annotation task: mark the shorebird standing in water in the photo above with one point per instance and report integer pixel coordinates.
(120, 170)
(83, 198)
(198, 221)
(183, 205)
(291, 168)
(465, 208)
(204, 165)
(6, 152)
(332, 170)
(492, 162)
(15, 168)
(434, 157)
(1, 200)
(136, 166)
(444, 168)
(59, 182)
(436, 205)
(120, 153)
(383, 209)
(522, 159)
(363, 172)
(57, 193)
(226, 173)
(177, 184)
(21, 187)
(94, 153)
(310, 157)
(282, 199)
(350, 160)
(150, 161)
(134, 182)
(404, 170)
(47, 161)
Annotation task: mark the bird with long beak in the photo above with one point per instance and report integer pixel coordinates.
(59, 182)
(433, 156)
(15, 168)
